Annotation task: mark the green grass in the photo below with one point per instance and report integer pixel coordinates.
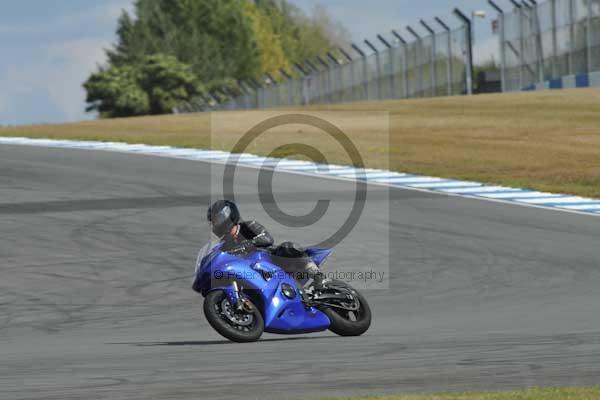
(548, 141)
(592, 393)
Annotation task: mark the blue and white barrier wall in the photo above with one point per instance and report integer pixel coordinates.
(568, 82)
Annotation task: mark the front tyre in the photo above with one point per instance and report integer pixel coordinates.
(349, 323)
(236, 325)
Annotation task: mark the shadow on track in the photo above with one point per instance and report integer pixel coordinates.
(213, 342)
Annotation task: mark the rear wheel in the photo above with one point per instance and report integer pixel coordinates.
(349, 322)
(236, 325)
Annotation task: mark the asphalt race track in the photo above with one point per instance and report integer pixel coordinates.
(97, 250)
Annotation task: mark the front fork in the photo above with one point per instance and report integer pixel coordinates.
(237, 299)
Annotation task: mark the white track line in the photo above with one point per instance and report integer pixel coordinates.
(447, 187)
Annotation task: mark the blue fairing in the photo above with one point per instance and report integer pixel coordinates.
(261, 280)
(318, 255)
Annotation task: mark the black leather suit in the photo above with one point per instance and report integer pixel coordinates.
(251, 234)
(287, 255)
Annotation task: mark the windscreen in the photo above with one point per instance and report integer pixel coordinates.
(204, 251)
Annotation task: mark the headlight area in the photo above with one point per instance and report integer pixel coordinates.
(288, 291)
(266, 274)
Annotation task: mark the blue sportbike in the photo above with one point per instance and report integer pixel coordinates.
(247, 295)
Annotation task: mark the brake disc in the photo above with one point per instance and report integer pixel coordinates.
(242, 319)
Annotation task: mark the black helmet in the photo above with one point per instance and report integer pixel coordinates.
(223, 215)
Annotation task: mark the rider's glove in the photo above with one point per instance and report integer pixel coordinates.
(239, 248)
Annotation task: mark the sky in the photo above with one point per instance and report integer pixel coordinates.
(49, 48)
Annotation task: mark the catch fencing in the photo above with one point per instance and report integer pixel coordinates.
(437, 63)
(542, 42)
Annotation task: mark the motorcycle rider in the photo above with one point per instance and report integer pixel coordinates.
(241, 237)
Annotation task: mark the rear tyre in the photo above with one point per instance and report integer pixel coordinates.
(349, 323)
(236, 325)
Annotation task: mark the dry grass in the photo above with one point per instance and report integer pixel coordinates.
(530, 394)
(543, 140)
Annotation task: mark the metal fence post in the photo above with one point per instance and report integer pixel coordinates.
(529, 34)
(250, 93)
(365, 70)
(260, 97)
(232, 102)
(215, 100)
(589, 36)
(337, 70)
(571, 37)
(433, 57)
(244, 94)
(536, 31)
(257, 89)
(205, 103)
(419, 47)
(554, 39)
(290, 89)
(241, 97)
(449, 55)
(404, 63)
(313, 86)
(389, 49)
(502, 43)
(377, 68)
(469, 56)
(271, 89)
(521, 44)
(538, 40)
(520, 51)
(206, 106)
(331, 68)
(303, 91)
(327, 78)
(351, 63)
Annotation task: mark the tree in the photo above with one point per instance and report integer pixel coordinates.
(271, 53)
(212, 45)
(114, 92)
(215, 37)
(167, 82)
(221, 39)
(300, 36)
(155, 85)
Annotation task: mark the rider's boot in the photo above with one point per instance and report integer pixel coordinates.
(316, 275)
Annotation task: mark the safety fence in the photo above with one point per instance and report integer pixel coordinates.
(437, 63)
(542, 42)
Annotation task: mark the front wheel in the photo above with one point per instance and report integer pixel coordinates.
(349, 323)
(236, 325)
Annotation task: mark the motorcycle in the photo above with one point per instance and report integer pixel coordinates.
(246, 295)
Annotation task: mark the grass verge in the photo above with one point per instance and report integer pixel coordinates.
(547, 141)
(529, 394)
